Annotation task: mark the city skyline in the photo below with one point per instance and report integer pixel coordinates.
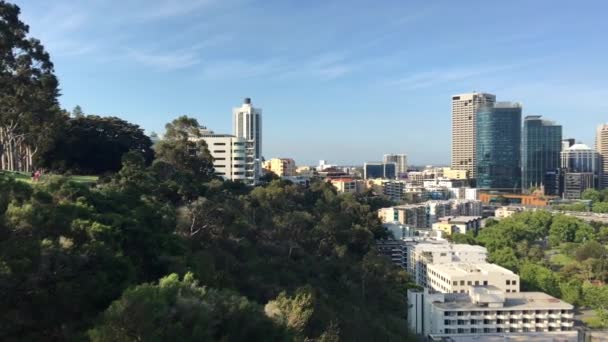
(387, 83)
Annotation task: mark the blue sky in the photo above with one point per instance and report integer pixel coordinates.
(345, 81)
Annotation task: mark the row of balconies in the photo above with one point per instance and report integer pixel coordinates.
(509, 324)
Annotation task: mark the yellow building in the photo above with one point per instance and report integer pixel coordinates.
(455, 174)
(281, 166)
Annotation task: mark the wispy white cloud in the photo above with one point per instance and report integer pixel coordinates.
(58, 26)
(324, 67)
(434, 77)
(160, 9)
(165, 61)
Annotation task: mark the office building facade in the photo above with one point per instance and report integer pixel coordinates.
(464, 129)
(542, 144)
(379, 170)
(400, 161)
(601, 146)
(499, 147)
(247, 124)
(581, 170)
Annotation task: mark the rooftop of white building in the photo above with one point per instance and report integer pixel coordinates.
(514, 301)
(442, 246)
(468, 268)
(459, 219)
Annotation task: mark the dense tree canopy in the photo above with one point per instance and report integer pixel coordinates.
(301, 260)
(95, 145)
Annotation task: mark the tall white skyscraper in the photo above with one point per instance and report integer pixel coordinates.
(400, 160)
(464, 129)
(601, 146)
(247, 124)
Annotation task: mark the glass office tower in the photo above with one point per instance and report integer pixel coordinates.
(499, 147)
(542, 144)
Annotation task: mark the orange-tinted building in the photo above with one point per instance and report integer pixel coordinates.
(517, 199)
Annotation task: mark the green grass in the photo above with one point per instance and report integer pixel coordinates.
(27, 178)
(561, 259)
(593, 322)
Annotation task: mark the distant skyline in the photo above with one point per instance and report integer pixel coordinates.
(344, 81)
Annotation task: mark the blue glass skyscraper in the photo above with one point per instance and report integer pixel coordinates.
(542, 144)
(499, 147)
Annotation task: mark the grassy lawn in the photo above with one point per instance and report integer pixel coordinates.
(561, 259)
(26, 177)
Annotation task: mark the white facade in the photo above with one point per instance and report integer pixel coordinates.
(601, 146)
(458, 277)
(441, 252)
(247, 124)
(423, 215)
(400, 160)
(486, 311)
(228, 154)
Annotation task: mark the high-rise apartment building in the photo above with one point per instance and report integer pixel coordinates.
(464, 129)
(542, 144)
(601, 146)
(247, 124)
(400, 160)
(498, 146)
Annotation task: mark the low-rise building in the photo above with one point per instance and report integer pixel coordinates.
(348, 185)
(413, 215)
(455, 174)
(373, 170)
(486, 311)
(458, 277)
(281, 166)
(423, 215)
(514, 199)
(507, 211)
(458, 224)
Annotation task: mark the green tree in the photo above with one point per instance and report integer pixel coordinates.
(505, 257)
(182, 149)
(591, 194)
(77, 112)
(29, 111)
(564, 229)
(181, 310)
(105, 138)
(600, 207)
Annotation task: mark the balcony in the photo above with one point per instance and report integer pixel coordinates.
(568, 315)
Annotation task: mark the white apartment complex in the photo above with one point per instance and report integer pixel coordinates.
(486, 311)
(228, 154)
(464, 131)
(247, 124)
(423, 215)
(441, 252)
(400, 160)
(458, 277)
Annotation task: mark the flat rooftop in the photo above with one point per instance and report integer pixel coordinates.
(513, 301)
(440, 247)
(463, 269)
(562, 336)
